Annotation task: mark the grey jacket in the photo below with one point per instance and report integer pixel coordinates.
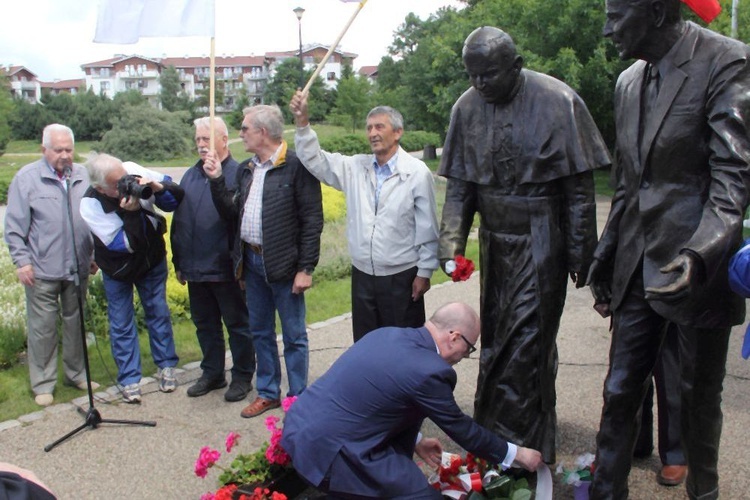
(37, 222)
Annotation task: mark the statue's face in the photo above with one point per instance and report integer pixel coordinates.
(492, 72)
(628, 25)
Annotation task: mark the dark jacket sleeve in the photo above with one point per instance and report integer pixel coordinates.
(310, 214)
(225, 200)
(169, 197)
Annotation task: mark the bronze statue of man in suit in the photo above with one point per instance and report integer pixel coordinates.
(520, 151)
(683, 116)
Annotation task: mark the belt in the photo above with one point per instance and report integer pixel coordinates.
(255, 248)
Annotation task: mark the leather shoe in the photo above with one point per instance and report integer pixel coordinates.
(204, 385)
(672, 475)
(238, 390)
(259, 406)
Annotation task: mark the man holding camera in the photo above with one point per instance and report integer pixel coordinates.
(129, 249)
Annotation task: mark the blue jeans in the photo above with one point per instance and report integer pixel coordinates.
(123, 335)
(263, 300)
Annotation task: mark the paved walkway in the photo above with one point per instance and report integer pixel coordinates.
(127, 462)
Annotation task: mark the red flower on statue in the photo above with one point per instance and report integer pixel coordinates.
(464, 268)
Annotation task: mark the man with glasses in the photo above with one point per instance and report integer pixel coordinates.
(354, 431)
(278, 214)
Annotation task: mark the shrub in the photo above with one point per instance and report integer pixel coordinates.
(143, 133)
(416, 140)
(334, 204)
(348, 144)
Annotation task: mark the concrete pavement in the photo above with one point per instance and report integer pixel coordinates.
(128, 462)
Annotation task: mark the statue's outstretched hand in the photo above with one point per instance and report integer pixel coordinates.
(684, 266)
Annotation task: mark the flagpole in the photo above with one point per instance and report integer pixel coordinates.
(332, 48)
(211, 83)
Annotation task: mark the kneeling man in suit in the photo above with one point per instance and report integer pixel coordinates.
(354, 431)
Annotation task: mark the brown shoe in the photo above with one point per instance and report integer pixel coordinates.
(671, 475)
(259, 406)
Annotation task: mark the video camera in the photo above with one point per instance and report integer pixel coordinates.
(128, 185)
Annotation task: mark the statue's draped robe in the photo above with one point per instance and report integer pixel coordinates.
(526, 168)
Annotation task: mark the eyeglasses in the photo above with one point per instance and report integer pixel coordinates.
(470, 346)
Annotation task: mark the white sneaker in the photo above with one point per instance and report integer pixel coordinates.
(131, 393)
(44, 399)
(167, 379)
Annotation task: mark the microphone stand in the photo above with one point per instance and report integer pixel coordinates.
(92, 417)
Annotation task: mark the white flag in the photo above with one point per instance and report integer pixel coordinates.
(125, 21)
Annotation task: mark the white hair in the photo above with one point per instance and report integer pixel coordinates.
(205, 122)
(55, 128)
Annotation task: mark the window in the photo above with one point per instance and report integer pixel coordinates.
(104, 85)
(331, 76)
(104, 72)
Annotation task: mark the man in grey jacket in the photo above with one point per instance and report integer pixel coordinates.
(41, 222)
(392, 224)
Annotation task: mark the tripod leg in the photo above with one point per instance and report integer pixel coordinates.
(66, 436)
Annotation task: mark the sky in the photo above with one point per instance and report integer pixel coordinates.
(53, 38)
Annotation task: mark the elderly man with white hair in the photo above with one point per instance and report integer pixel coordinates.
(129, 248)
(201, 244)
(48, 243)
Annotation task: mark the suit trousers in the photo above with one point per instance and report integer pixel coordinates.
(210, 303)
(379, 301)
(667, 384)
(638, 332)
(43, 302)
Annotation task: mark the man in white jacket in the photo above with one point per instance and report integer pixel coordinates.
(391, 218)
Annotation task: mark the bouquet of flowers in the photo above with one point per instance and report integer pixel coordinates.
(472, 478)
(460, 268)
(254, 468)
(582, 471)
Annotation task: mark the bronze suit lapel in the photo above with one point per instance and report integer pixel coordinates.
(672, 82)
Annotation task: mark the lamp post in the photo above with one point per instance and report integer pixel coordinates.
(298, 12)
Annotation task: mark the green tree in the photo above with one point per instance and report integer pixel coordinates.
(562, 39)
(285, 82)
(28, 120)
(352, 97)
(234, 119)
(202, 96)
(723, 22)
(143, 133)
(130, 97)
(92, 115)
(172, 96)
(6, 108)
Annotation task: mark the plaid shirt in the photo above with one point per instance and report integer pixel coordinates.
(251, 230)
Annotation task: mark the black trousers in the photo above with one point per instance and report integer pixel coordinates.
(379, 301)
(666, 381)
(210, 303)
(637, 336)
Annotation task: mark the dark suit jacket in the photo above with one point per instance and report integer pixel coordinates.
(684, 187)
(358, 423)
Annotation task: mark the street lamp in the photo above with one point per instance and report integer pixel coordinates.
(298, 12)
